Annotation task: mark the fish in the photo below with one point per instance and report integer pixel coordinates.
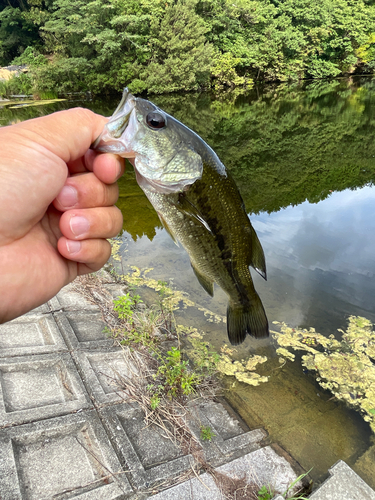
(198, 204)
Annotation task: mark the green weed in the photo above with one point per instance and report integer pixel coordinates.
(174, 376)
(125, 304)
(154, 401)
(206, 433)
(265, 493)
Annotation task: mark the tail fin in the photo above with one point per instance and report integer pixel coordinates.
(246, 319)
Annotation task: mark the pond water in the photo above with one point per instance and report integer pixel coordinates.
(303, 158)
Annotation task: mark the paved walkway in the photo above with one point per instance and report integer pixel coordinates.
(68, 431)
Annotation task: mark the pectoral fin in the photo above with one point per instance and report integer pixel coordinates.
(206, 283)
(185, 205)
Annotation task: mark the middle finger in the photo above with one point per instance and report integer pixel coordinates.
(85, 191)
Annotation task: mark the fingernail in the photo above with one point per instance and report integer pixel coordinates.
(68, 197)
(79, 225)
(118, 169)
(73, 246)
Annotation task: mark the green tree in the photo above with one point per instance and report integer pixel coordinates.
(170, 45)
(17, 31)
(110, 36)
(181, 55)
(290, 39)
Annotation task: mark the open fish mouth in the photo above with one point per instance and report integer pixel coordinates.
(109, 141)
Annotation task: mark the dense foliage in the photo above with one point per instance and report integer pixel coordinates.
(169, 45)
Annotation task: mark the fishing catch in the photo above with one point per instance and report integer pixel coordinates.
(198, 204)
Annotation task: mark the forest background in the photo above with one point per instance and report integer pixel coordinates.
(159, 46)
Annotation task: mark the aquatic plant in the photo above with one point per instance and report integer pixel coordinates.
(205, 359)
(172, 299)
(243, 370)
(346, 367)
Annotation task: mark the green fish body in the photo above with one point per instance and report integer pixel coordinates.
(197, 202)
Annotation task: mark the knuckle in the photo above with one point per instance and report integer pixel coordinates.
(114, 221)
(109, 194)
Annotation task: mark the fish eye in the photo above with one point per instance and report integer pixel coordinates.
(155, 120)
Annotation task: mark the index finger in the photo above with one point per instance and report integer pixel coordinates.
(67, 134)
(106, 166)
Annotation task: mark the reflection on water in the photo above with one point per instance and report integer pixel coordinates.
(321, 259)
(304, 161)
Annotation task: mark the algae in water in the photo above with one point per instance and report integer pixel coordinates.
(243, 370)
(346, 367)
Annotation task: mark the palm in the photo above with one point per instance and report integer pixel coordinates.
(40, 268)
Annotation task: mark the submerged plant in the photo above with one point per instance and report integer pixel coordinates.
(204, 357)
(243, 370)
(346, 367)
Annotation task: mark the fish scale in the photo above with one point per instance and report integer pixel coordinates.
(222, 255)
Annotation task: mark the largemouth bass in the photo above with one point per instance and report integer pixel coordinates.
(198, 204)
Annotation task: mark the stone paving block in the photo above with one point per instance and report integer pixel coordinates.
(116, 289)
(148, 455)
(36, 387)
(70, 300)
(54, 305)
(30, 334)
(229, 439)
(153, 458)
(43, 309)
(262, 466)
(344, 484)
(102, 372)
(64, 457)
(219, 418)
(83, 330)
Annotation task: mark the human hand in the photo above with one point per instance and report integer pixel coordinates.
(56, 206)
